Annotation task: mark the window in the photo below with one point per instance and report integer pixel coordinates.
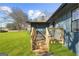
(75, 20)
(74, 26)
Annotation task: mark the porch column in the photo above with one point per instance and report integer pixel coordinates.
(47, 38)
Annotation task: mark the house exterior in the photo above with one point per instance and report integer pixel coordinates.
(67, 17)
(3, 28)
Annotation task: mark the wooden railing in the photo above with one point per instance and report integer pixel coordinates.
(42, 44)
(58, 35)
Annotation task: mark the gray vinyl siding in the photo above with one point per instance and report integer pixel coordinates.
(71, 38)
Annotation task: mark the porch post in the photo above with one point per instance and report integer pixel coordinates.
(47, 38)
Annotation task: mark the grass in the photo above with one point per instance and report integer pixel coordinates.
(59, 50)
(16, 43)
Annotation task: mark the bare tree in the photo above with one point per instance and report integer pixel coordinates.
(20, 18)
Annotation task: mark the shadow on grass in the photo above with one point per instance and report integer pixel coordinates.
(58, 50)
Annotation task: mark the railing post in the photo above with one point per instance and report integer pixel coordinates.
(47, 38)
(31, 36)
(62, 37)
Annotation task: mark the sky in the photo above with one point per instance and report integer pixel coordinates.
(33, 10)
(33, 6)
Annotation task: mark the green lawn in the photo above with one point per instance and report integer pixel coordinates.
(18, 44)
(15, 43)
(59, 50)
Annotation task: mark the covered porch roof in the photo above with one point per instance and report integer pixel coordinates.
(63, 9)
